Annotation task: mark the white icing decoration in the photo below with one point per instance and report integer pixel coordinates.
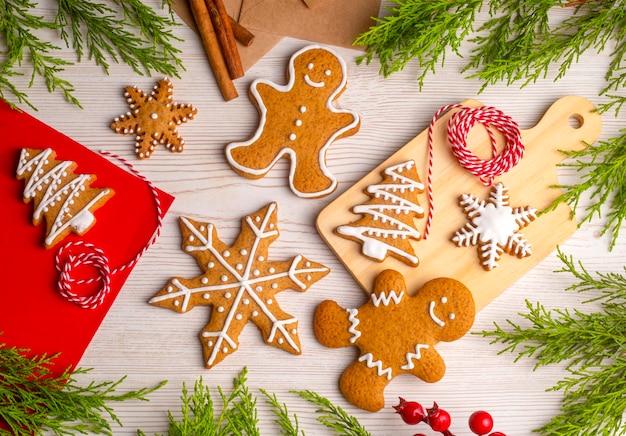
(394, 206)
(368, 358)
(386, 299)
(354, 322)
(53, 180)
(313, 83)
(433, 316)
(417, 356)
(242, 283)
(287, 151)
(493, 224)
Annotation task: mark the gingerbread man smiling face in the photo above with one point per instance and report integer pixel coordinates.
(298, 121)
(395, 333)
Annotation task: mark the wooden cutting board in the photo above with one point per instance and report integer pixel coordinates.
(568, 124)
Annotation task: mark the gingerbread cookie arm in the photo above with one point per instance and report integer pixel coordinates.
(425, 363)
(249, 158)
(335, 326)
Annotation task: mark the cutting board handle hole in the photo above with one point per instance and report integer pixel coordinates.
(576, 121)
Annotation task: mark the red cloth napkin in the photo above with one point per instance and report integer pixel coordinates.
(33, 315)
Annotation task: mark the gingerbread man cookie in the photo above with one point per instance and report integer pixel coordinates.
(395, 333)
(298, 121)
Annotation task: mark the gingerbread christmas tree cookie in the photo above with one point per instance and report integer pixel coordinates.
(298, 121)
(154, 119)
(240, 283)
(388, 223)
(395, 333)
(64, 199)
(493, 226)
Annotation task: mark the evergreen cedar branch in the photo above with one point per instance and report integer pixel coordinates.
(520, 43)
(592, 346)
(120, 31)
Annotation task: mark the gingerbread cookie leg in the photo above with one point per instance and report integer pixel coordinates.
(363, 383)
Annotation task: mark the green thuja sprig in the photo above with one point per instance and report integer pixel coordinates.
(34, 401)
(603, 176)
(334, 417)
(591, 344)
(119, 31)
(238, 413)
(423, 30)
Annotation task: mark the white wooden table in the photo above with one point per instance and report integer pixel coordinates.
(150, 344)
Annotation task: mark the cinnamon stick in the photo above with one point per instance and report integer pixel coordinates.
(212, 48)
(242, 34)
(225, 36)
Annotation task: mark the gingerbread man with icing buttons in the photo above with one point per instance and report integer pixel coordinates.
(298, 121)
(396, 333)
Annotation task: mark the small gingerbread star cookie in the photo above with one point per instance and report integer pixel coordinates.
(395, 333)
(154, 119)
(298, 121)
(493, 226)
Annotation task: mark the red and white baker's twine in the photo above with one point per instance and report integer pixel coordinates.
(66, 260)
(459, 125)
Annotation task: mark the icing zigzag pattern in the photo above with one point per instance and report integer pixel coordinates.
(387, 224)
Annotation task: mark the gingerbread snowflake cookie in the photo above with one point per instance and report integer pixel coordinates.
(388, 218)
(395, 333)
(298, 121)
(63, 198)
(493, 226)
(240, 283)
(154, 119)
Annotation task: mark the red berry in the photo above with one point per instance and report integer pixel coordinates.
(411, 412)
(480, 422)
(438, 419)
(496, 433)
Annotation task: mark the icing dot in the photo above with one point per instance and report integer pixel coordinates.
(298, 122)
(308, 277)
(246, 301)
(269, 301)
(170, 289)
(272, 270)
(239, 266)
(243, 252)
(444, 300)
(292, 137)
(258, 288)
(227, 295)
(294, 331)
(154, 116)
(226, 253)
(255, 313)
(191, 238)
(210, 264)
(238, 316)
(204, 280)
(303, 109)
(451, 316)
(224, 350)
(256, 272)
(328, 72)
(177, 303)
(206, 295)
(280, 340)
(224, 278)
(310, 66)
(220, 309)
(257, 219)
(260, 258)
(274, 286)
